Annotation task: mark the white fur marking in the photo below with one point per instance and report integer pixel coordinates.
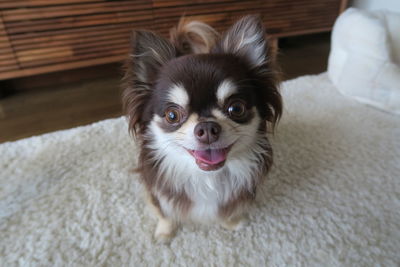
(225, 90)
(218, 114)
(178, 95)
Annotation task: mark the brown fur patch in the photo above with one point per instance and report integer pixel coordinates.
(244, 197)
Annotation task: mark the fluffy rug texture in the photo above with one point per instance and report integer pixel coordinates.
(332, 198)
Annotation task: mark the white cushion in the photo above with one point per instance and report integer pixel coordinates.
(364, 62)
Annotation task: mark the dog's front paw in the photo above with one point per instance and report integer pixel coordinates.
(234, 224)
(165, 231)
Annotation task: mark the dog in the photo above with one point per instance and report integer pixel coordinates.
(201, 105)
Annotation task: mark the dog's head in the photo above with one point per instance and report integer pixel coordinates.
(202, 110)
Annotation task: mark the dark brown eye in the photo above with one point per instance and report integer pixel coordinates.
(173, 115)
(186, 47)
(237, 109)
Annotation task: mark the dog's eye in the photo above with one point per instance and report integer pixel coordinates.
(173, 115)
(186, 47)
(237, 109)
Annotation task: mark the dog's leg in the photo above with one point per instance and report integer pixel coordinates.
(234, 223)
(165, 230)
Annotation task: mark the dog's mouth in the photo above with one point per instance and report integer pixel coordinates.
(210, 159)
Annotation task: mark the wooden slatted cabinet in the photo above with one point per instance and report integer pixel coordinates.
(41, 36)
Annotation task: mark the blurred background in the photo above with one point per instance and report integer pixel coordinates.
(60, 60)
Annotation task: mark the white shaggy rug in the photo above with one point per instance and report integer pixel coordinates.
(68, 198)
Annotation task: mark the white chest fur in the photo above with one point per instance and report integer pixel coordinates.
(206, 193)
(209, 191)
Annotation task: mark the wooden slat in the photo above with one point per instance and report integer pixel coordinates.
(93, 52)
(33, 3)
(3, 43)
(44, 53)
(59, 67)
(82, 40)
(7, 56)
(67, 50)
(7, 68)
(7, 50)
(8, 62)
(72, 10)
(168, 3)
(74, 22)
(76, 32)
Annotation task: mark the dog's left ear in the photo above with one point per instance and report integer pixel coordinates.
(246, 39)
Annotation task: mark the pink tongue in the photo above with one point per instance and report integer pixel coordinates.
(210, 156)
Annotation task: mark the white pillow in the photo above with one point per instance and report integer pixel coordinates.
(364, 62)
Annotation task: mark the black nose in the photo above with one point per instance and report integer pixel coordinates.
(207, 132)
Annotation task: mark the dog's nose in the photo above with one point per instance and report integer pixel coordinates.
(207, 132)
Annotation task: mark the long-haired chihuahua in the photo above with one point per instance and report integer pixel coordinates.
(201, 105)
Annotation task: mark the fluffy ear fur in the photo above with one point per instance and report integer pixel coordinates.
(193, 37)
(149, 53)
(246, 38)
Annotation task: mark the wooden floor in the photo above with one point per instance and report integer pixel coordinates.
(45, 106)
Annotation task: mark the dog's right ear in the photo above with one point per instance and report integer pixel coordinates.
(149, 53)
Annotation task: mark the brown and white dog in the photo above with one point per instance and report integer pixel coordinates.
(200, 106)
